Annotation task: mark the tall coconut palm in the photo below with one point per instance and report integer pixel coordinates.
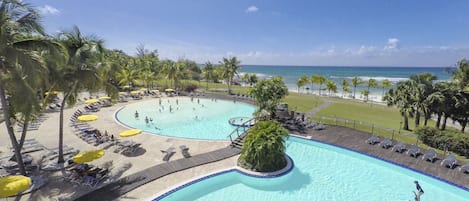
(331, 86)
(386, 84)
(320, 80)
(18, 57)
(345, 87)
(461, 75)
(302, 81)
(231, 66)
(127, 76)
(371, 84)
(208, 71)
(355, 82)
(79, 71)
(422, 89)
(401, 97)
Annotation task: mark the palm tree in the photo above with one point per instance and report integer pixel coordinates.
(461, 75)
(127, 76)
(331, 86)
(20, 39)
(345, 87)
(252, 79)
(355, 82)
(302, 81)
(231, 67)
(208, 71)
(385, 84)
(371, 83)
(423, 87)
(401, 97)
(79, 71)
(318, 79)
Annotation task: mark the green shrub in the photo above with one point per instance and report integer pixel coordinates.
(453, 141)
(264, 147)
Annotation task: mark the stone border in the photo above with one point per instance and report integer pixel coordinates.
(278, 173)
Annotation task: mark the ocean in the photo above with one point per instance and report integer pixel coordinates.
(291, 74)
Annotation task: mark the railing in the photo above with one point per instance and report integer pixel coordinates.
(392, 134)
(244, 126)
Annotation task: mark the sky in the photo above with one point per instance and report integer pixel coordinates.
(275, 32)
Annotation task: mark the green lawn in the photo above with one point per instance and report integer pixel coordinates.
(302, 102)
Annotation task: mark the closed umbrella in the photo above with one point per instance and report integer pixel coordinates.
(129, 133)
(104, 98)
(168, 90)
(88, 156)
(87, 117)
(12, 185)
(91, 101)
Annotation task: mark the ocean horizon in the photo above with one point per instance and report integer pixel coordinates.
(291, 74)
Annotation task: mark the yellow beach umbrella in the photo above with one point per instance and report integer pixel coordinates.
(143, 89)
(12, 185)
(52, 92)
(130, 132)
(87, 117)
(169, 90)
(88, 156)
(155, 91)
(122, 93)
(126, 87)
(104, 98)
(90, 101)
(135, 92)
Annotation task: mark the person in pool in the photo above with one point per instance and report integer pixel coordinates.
(419, 191)
(136, 114)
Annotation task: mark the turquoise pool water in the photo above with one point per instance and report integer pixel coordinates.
(197, 118)
(322, 173)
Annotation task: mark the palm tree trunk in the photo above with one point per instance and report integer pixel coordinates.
(425, 121)
(23, 132)
(354, 88)
(60, 159)
(406, 122)
(11, 132)
(319, 90)
(463, 126)
(443, 125)
(206, 86)
(438, 120)
(417, 118)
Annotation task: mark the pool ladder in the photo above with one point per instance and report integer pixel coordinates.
(238, 134)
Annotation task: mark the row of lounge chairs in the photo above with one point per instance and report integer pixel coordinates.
(429, 155)
(34, 124)
(85, 175)
(171, 151)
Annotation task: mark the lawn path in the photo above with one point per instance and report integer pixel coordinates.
(325, 104)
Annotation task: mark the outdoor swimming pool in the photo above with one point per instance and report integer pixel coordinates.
(324, 173)
(189, 118)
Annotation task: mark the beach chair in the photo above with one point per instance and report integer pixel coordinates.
(373, 140)
(386, 143)
(429, 155)
(185, 151)
(450, 161)
(399, 147)
(464, 168)
(320, 126)
(168, 153)
(413, 151)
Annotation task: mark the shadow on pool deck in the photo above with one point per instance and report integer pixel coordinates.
(356, 140)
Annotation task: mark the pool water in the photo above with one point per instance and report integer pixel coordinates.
(196, 118)
(322, 173)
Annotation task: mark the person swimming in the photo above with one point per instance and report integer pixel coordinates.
(136, 114)
(146, 120)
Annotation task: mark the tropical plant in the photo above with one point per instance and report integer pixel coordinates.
(209, 72)
(252, 79)
(371, 83)
(386, 84)
(355, 82)
(301, 82)
(331, 86)
(268, 93)
(264, 147)
(422, 89)
(78, 73)
(231, 66)
(21, 63)
(320, 80)
(401, 97)
(345, 87)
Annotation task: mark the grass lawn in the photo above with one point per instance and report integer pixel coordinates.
(302, 102)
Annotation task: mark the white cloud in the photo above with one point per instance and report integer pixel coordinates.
(393, 44)
(48, 10)
(252, 9)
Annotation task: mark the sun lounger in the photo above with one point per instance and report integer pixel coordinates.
(373, 140)
(450, 161)
(413, 151)
(429, 155)
(464, 168)
(185, 151)
(320, 126)
(386, 143)
(168, 153)
(399, 147)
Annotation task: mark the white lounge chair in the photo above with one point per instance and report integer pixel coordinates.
(185, 151)
(450, 161)
(168, 153)
(429, 155)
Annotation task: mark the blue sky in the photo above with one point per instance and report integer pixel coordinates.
(277, 32)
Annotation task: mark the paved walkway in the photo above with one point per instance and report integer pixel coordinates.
(120, 187)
